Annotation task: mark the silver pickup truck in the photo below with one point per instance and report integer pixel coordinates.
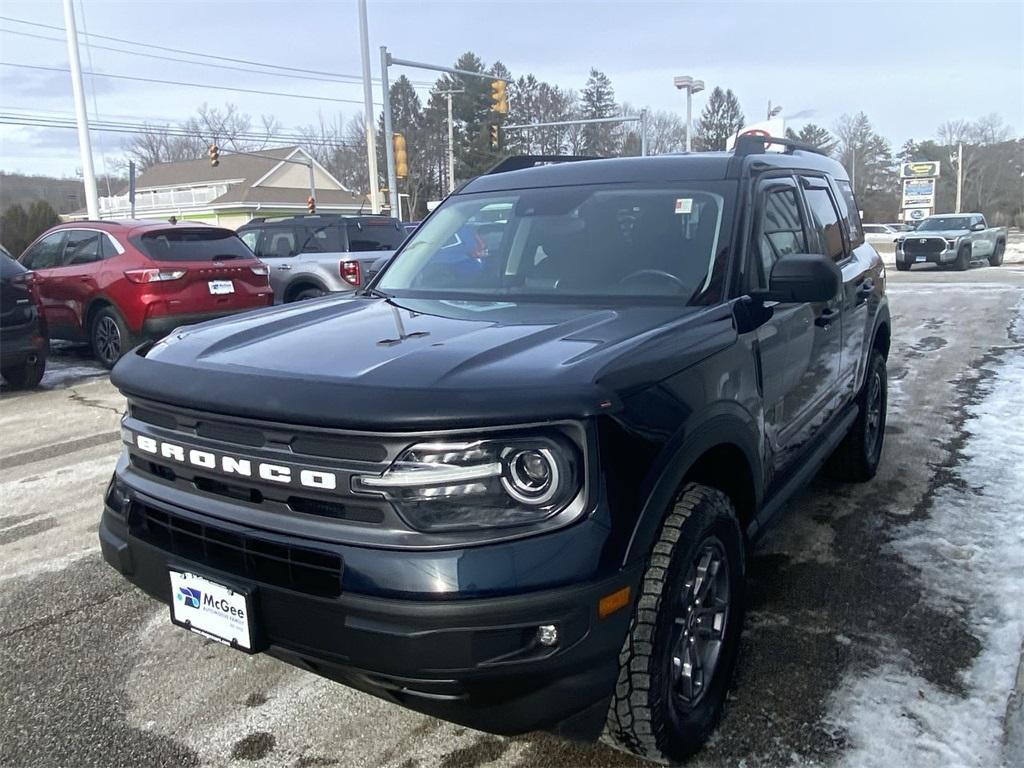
(951, 239)
(309, 256)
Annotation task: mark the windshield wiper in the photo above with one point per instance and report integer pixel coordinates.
(377, 294)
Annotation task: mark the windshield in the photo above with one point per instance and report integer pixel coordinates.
(181, 244)
(596, 240)
(940, 223)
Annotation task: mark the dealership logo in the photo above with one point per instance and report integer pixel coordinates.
(192, 598)
(236, 465)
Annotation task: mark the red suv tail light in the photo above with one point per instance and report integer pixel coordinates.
(260, 269)
(154, 275)
(350, 272)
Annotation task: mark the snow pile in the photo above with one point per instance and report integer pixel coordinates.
(970, 552)
(1014, 253)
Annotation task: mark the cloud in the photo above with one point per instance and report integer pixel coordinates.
(35, 84)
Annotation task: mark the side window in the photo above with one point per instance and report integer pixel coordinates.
(851, 213)
(47, 253)
(107, 248)
(81, 247)
(825, 219)
(277, 243)
(780, 230)
(250, 237)
(325, 239)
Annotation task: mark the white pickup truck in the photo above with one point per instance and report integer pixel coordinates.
(951, 239)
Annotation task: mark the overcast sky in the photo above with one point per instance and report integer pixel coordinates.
(908, 65)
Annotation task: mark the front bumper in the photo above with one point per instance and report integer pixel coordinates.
(946, 256)
(476, 662)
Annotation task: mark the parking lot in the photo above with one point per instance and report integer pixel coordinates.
(884, 619)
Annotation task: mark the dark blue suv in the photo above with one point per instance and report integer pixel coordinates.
(515, 487)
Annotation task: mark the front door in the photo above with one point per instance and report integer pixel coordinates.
(800, 345)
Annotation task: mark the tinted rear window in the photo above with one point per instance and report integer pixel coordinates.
(193, 245)
(375, 237)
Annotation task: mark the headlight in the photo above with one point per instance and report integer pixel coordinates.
(446, 486)
(951, 243)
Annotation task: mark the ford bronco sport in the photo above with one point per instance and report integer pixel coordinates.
(522, 496)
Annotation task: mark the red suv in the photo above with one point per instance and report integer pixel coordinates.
(115, 283)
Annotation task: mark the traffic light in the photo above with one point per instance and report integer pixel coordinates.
(499, 97)
(495, 134)
(311, 204)
(214, 154)
(401, 160)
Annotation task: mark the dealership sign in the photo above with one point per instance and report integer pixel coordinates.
(919, 170)
(918, 192)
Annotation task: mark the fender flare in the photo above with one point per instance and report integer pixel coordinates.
(726, 423)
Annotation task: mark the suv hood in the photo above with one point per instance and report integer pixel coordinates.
(412, 364)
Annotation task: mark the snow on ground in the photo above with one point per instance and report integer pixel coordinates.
(1014, 252)
(970, 553)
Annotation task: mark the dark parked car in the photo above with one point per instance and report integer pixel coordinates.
(309, 256)
(115, 283)
(521, 495)
(23, 340)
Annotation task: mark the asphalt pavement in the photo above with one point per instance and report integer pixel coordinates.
(92, 673)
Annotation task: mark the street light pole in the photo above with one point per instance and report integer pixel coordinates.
(451, 139)
(691, 86)
(371, 141)
(389, 143)
(959, 173)
(92, 202)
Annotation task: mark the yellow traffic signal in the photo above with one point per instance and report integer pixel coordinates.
(214, 154)
(401, 159)
(495, 135)
(311, 204)
(499, 97)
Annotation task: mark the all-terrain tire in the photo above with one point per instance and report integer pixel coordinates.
(963, 259)
(856, 459)
(647, 717)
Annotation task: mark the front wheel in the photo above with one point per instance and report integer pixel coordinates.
(963, 259)
(857, 457)
(678, 658)
(996, 259)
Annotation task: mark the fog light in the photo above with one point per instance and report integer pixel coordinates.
(547, 635)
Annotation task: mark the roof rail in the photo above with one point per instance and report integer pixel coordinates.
(519, 162)
(757, 145)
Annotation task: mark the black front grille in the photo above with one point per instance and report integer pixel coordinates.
(241, 554)
(914, 245)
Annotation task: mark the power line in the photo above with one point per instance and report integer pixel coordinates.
(234, 60)
(141, 129)
(146, 55)
(182, 83)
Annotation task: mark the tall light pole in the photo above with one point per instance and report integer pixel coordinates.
(691, 86)
(371, 140)
(451, 138)
(92, 202)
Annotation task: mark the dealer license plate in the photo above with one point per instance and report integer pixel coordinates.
(211, 609)
(219, 287)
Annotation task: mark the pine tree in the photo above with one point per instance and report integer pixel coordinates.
(814, 136)
(598, 100)
(721, 118)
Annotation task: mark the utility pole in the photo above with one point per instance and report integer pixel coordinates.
(451, 139)
(371, 141)
(959, 173)
(131, 187)
(92, 203)
(389, 137)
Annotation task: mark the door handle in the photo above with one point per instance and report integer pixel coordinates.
(824, 320)
(864, 290)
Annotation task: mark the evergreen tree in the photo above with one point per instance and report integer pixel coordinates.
(814, 136)
(721, 118)
(597, 101)
(19, 227)
(868, 159)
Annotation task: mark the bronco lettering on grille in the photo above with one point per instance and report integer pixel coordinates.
(236, 465)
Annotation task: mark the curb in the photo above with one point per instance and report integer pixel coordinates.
(1013, 723)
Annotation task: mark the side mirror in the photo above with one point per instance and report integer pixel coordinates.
(803, 277)
(977, 227)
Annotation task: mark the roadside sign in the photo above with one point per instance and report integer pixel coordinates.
(923, 170)
(918, 192)
(916, 214)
